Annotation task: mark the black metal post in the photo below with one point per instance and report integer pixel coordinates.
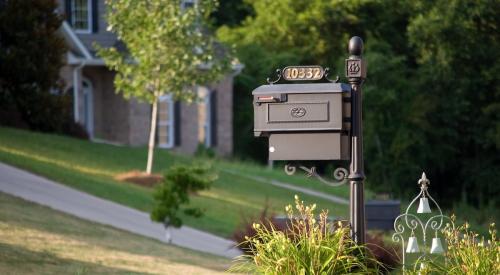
(356, 73)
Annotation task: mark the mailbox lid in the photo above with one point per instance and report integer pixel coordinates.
(305, 88)
(299, 107)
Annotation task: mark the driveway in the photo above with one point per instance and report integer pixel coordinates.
(37, 189)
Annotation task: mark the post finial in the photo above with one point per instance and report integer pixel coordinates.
(356, 46)
(423, 181)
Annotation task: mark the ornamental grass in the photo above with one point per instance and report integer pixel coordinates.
(467, 253)
(310, 245)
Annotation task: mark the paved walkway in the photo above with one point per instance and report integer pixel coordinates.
(332, 198)
(42, 191)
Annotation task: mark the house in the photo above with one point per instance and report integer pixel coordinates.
(107, 116)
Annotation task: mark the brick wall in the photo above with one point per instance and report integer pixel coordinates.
(224, 129)
(139, 120)
(111, 110)
(188, 128)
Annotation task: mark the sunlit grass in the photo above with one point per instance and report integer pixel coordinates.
(91, 167)
(37, 240)
(59, 163)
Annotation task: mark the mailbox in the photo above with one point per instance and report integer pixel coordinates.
(308, 121)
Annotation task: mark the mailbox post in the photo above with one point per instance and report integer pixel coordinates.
(318, 121)
(356, 73)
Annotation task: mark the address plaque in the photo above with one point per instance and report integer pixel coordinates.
(294, 73)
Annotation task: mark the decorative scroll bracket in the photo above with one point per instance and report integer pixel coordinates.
(340, 174)
(327, 71)
(278, 75)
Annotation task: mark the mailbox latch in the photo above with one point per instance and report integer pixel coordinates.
(271, 98)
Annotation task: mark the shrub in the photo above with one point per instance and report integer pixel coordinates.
(310, 246)
(205, 152)
(178, 183)
(31, 55)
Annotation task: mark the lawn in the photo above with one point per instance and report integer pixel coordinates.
(90, 167)
(38, 240)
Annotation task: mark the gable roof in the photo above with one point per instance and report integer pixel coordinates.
(77, 53)
(75, 44)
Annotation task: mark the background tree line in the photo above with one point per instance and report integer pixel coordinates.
(432, 97)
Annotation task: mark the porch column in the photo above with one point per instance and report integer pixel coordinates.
(77, 83)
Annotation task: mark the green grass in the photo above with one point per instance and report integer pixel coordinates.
(247, 168)
(90, 167)
(38, 240)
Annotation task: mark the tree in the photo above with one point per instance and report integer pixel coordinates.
(456, 45)
(231, 12)
(31, 56)
(432, 92)
(169, 51)
(179, 182)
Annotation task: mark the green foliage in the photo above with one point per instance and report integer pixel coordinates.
(231, 12)
(31, 55)
(168, 50)
(432, 92)
(310, 246)
(203, 151)
(455, 46)
(174, 191)
(467, 253)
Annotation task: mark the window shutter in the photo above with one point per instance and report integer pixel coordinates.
(67, 7)
(177, 123)
(95, 16)
(213, 118)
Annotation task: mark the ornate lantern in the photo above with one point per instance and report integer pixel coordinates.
(412, 221)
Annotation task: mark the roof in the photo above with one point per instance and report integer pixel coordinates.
(78, 53)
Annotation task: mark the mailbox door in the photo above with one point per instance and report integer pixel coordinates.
(301, 112)
(308, 146)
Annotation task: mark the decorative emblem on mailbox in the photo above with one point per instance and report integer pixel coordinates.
(355, 68)
(298, 112)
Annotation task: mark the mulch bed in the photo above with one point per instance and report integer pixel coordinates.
(140, 178)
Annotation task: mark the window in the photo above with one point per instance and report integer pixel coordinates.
(81, 15)
(166, 127)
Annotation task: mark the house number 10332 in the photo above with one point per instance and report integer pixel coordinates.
(303, 73)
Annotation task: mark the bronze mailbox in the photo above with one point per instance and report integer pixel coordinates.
(304, 121)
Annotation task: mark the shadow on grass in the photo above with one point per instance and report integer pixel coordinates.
(18, 260)
(25, 215)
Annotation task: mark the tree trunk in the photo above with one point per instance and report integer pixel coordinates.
(152, 135)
